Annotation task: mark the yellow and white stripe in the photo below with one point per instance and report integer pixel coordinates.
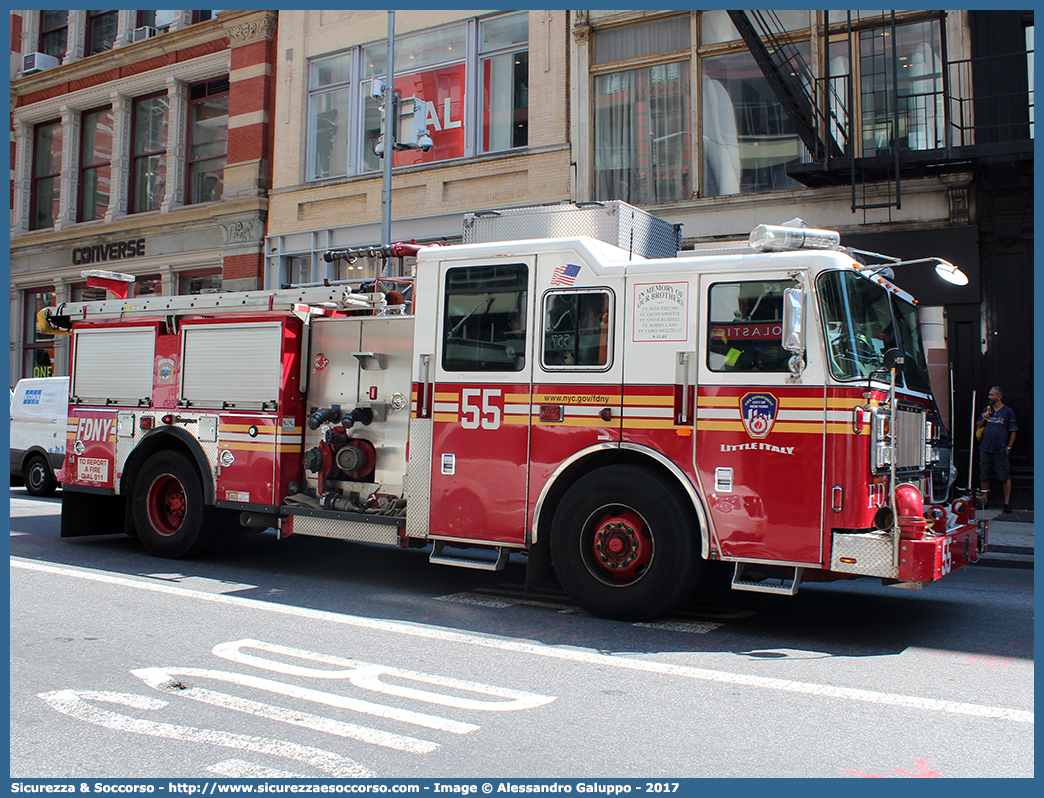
(269, 437)
(796, 414)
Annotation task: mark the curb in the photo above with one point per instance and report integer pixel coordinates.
(1007, 557)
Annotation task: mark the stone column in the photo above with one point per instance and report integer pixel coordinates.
(174, 196)
(69, 182)
(120, 166)
(23, 141)
(77, 41)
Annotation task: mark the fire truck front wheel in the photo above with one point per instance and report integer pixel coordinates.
(169, 512)
(624, 544)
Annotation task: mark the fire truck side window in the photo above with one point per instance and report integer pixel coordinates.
(746, 326)
(485, 318)
(576, 329)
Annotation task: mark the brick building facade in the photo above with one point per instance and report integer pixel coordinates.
(141, 143)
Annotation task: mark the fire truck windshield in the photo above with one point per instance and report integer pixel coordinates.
(862, 321)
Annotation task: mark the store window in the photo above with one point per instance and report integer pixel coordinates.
(484, 58)
(910, 97)
(504, 65)
(47, 170)
(642, 131)
(54, 32)
(429, 66)
(204, 282)
(149, 153)
(95, 164)
(208, 141)
(748, 139)
(80, 292)
(101, 31)
(38, 349)
(329, 103)
(147, 285)
(893, 108)
(297, 270)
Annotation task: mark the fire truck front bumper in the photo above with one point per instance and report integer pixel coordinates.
(934, 556)
(925, 558)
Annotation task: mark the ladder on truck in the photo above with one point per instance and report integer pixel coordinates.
(305, 301)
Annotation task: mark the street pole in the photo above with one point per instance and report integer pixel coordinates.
(390, 112)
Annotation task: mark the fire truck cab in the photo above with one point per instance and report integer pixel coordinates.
(624, 418)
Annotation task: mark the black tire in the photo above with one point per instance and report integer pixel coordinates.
(169, 513)
(624, 544)
(39, 479)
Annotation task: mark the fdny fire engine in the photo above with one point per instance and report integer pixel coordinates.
(601, 403)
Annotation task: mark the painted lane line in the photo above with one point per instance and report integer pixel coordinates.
(295, 717)
(238, 769)
(692, 627)
(74, 703)
(367, 676)
(553, 652)
(201, 583)
(159, 678)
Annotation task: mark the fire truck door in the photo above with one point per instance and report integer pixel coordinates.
(759, 436)
(577, 399)
(481, 375)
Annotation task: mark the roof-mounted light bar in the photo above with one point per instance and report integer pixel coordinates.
(780, 238)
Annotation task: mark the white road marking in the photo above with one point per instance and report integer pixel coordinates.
(238, 769)
(478, 601)
(368, 676)
(74, 703)
(159, 678)
(502, 602)
(553, 652)
(202, 583)
(295, 717)
(692, 627)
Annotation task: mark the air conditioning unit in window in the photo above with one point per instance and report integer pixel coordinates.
(37, 62)
(144, 32)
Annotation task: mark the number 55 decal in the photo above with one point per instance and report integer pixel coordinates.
(472, 416)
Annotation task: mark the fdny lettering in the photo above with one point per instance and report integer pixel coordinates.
(94, 429)
(757, 445)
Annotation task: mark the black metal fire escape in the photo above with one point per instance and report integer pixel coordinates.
(820, 111)
(864, 125)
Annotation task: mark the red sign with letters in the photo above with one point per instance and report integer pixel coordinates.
(443, 91)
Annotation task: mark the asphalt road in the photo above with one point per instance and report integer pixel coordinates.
(311, 657)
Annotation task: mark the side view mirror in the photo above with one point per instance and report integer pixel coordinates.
(794, 320)
(894, 359)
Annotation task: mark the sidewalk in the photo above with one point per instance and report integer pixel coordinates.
(1011, 541)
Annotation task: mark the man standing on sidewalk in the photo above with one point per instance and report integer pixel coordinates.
(998, 421)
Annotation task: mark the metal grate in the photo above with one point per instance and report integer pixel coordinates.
(910, 440)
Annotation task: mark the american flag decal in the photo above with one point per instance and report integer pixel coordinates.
(565, 275)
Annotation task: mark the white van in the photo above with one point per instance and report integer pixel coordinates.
(39, 409)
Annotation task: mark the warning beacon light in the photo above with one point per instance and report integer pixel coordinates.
(780, 238)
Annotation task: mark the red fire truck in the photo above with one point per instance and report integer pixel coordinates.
(624, 418)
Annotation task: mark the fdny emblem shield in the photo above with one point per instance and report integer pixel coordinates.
(759, 413)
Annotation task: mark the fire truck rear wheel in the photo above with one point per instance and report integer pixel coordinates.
(623, 544)
(169, 512)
